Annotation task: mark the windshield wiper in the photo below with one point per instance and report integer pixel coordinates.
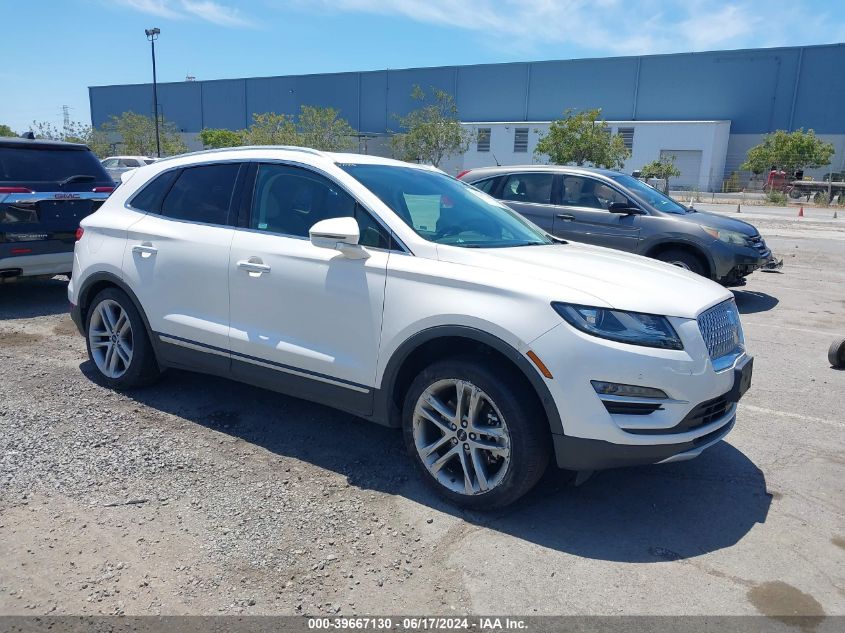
(76, 178)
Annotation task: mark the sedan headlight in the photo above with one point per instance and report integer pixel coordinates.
(634, 328)
(728, 237)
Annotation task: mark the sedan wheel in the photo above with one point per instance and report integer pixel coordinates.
(110, 338)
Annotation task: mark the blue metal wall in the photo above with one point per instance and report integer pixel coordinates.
(757, 90)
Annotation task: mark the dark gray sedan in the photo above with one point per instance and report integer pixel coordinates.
(612, 209)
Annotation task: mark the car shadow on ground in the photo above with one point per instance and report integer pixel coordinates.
(751, 301)
(29, 298)
(644, 514)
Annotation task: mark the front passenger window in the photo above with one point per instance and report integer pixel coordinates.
(290, 200)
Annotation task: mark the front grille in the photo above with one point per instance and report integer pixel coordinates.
(705, 413)
(721, 330)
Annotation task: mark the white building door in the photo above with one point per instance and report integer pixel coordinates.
(688, 162)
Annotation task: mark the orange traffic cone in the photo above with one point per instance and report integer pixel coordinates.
(801, 211)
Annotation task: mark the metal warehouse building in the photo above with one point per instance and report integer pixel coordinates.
(706, 109)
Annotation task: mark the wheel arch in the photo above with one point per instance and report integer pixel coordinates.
(445, 341)
(691, 247)
(97, 282)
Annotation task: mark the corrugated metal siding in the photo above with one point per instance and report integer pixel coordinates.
(757, 90)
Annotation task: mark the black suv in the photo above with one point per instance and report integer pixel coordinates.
(46, 188)
(618, 211)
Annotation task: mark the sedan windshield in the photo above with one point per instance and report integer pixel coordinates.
(444, 210)
(650, 195)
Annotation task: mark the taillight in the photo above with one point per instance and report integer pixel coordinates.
(462, 173)
(15, 190)
(79, 232)
(103, 189)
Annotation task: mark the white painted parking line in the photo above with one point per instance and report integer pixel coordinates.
(798, 416)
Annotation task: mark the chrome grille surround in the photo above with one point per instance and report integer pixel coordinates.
(722, 332)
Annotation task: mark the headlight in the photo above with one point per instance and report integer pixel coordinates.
(634, 328)
(728, 237)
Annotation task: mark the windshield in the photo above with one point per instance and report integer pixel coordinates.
(650, 195)
(444, 210)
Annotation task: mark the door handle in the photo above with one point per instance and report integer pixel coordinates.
(566, 216)
(145, 250)
(254, 269)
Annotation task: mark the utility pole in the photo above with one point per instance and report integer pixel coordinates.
(152, 36)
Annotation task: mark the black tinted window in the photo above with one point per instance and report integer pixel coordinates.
(149, 197)
(48, 165)
(290, 201)
(202, 194)
(528, 188)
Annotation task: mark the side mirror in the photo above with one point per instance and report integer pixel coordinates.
(340, 234)
(624, 208)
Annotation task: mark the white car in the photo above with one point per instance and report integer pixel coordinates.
(117, 165)
(402, 295)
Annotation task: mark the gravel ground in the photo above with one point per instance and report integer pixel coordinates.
(203, 496)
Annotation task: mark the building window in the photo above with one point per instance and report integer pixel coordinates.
(520, 140)
(483, 140)
(627, 134)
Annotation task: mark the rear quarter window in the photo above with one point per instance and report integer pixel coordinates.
(150, 196)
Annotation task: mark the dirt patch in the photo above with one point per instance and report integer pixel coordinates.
(18, 339)
(66, 328)
(783, 602)
(838, 541)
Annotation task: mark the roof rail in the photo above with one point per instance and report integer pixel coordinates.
(292, 148)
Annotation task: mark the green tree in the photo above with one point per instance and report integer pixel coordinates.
(5, 130)
(789, 151)
(323, 129)
(73, 132)
(270, 128)
(135, 133)
(663, 168)
(582, 137)
(215, 138)
(433, 132)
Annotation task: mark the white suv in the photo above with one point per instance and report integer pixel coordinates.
(402, 295)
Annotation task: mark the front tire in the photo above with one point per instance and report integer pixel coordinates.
(683, 259)
(117, 342)
(476, 432)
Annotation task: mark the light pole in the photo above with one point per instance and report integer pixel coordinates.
(152, 36)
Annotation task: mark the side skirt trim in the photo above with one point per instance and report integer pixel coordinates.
(261, 362)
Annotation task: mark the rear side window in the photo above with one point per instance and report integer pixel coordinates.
(535, 188)
(485, 185)
(202, 194)
(150, 197)
(32, 164)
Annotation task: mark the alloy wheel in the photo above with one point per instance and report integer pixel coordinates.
(461, 437)
(110, 338)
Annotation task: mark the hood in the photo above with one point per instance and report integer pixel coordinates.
(620, 280)
(720, 222)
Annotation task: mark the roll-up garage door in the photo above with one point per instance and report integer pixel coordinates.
(688, 163)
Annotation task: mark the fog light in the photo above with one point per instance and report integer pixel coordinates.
(631, 391)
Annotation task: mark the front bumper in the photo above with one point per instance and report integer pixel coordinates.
(593, 438)
(733, 263)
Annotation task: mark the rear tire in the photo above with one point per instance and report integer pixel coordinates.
(485, 453)
(683, 259)
(117, 342)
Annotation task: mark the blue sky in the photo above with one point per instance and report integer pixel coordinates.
(55, 49)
